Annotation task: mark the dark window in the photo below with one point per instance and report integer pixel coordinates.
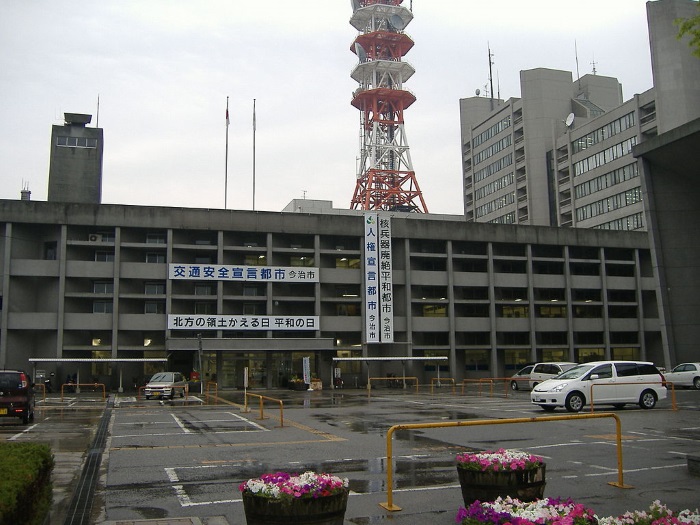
(603, 371)
(646, 369)
(626, 369)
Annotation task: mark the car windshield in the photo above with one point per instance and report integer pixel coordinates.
(575, 372)
(162, 377)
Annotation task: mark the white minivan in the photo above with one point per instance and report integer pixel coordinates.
(614, 383)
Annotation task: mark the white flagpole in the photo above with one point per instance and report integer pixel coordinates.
(226, 168)
(254, 154)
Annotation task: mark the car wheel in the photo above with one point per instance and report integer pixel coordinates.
(148, 397)
(647, 399)
(534, 384)
(513, 385)
(574, 402)
(25, 418)
(548, 408)
(696, 383)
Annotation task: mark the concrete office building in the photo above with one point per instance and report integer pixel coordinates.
(263, 290)
(561, 154)
(75, 172)
(504, 150)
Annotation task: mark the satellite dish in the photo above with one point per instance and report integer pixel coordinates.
(360, 52)
(355, 5)
(569, 120)
(478, 92)
(397, 22)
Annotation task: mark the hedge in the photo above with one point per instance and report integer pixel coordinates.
(26, 491)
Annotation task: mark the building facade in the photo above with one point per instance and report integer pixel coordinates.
(505, 149)
(561, 155)
(261, 291)
(75, 171)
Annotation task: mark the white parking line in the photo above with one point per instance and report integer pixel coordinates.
(181, 424)
(20, 434)
(189, 431)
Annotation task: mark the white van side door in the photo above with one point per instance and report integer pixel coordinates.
(602, 385)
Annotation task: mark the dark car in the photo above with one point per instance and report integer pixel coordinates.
(16, 395)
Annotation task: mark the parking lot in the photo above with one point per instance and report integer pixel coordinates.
(177, 460)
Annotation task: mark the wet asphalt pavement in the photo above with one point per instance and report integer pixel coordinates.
(179, 463)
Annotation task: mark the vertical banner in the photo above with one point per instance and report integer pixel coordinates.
(386, 281)
(306, 370)
(371, 254)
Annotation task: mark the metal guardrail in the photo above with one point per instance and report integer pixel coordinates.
(77, 386)
(439, 380)
(479, 382)
(43, 388)
(401, 379)
(262, 398)
(211, 385)
(389, 504)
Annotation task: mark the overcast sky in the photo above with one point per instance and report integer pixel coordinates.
(163, 69)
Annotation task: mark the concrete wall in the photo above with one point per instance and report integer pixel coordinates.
(675, 70)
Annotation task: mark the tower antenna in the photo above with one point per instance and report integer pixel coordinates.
(385, 176)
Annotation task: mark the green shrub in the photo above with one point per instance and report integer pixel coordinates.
(26, 491)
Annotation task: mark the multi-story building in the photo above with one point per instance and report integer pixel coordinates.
(561, 155)
(262, 290)
(504, 150)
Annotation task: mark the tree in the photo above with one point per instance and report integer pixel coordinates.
(691, 27)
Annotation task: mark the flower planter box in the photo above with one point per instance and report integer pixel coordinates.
(525, 485)
(298, 386)
(326, 510)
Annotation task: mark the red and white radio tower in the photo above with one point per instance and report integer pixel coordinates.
(385, 176)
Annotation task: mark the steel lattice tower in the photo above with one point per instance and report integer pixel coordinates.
(385, 176)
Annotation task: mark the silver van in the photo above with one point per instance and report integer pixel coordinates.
(614, 383)
(543, 371)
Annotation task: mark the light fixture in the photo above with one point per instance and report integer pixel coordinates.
(147, 342)
(96, 341)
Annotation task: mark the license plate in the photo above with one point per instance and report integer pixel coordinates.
(3, 411)
(156, 394)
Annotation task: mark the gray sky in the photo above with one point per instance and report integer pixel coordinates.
(163, 69)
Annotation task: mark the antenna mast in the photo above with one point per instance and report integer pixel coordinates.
(385, 176)
(491, 74)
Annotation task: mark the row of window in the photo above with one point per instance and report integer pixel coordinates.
(605, 156)
(76, 142)
(629, 223)
(493, 149)
(607, 180)
(495, 186)
(492, 131)
(508, 218)
(495, 167)
(496, 204)
(626, 198)
(603, 133)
